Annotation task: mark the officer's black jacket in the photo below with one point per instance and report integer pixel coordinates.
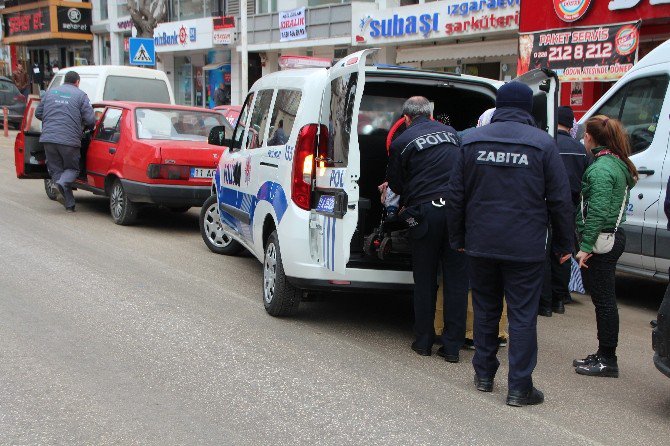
(509, 174)
(575, 161)
(421, 160)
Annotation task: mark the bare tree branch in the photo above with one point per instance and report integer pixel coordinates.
(146, 14)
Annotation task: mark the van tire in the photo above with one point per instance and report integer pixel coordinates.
(210, 225)
(48, 188)
(123, 211)
(280, 298)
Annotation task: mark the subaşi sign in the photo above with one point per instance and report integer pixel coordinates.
(435, 20)
(602, 53)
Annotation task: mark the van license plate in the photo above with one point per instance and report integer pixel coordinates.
(199, 172)
(326, 204)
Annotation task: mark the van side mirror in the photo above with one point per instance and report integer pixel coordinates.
(217, 137)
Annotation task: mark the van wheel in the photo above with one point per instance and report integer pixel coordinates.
(212, 231)
(49, 189)
(280, 298)
(124, 211)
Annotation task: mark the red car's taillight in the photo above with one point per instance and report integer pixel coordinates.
(168, 172)
(303, 163)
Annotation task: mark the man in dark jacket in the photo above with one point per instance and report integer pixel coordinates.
(64, 111)
(556, 290)
(508, 179)
(420, 165)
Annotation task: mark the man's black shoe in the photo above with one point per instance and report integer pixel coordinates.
(546, 312)
(590, 359)
(558, 308)
(60, 194)
(602, 366)
(421, 351)
(519, 398)
(70, 209)
(448, 358)
(653, 323)
(483, 384)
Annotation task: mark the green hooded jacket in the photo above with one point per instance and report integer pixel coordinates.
(603, 187)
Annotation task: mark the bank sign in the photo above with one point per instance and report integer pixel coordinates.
(183, 36)
(434, 20)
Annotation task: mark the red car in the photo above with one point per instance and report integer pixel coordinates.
(138, 154)
(231, 112)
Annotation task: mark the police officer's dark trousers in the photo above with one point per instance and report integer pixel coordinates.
(521, 284)
(430, 248)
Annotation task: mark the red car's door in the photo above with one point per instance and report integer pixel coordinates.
(29, 157)
(103, 147)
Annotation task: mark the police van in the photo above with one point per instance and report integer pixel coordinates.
(298, 185)
(641, 100)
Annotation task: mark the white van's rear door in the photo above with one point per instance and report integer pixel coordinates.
(335, 215)
(544, 84)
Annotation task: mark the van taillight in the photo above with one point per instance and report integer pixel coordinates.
(168, 172)
(303, 163)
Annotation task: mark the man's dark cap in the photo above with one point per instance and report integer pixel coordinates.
(515, 94)
(566, 117)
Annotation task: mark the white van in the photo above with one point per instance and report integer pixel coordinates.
(641, 100)
(119, 83)
(298, 186)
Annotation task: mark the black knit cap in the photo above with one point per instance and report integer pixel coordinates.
(565, 116)
(515, 94)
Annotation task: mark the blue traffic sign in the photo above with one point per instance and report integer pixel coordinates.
(142, 51)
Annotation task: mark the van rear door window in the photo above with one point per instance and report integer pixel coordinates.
(136, 89)
(342, 99)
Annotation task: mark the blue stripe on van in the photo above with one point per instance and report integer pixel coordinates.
(332, 243)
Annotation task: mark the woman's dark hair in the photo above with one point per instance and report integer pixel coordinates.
(609, 132)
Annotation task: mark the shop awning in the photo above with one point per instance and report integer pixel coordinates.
(491, 48)
(213, 66)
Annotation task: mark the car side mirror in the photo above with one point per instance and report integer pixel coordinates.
(217, 137)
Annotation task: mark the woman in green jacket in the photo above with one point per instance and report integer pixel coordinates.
(606, 189)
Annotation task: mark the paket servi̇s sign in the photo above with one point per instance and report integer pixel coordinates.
(435, 20)
(600, 53)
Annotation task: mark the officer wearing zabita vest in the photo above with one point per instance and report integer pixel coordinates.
(420, 165)
(508, 180)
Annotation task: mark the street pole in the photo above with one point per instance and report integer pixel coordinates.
(245, 54)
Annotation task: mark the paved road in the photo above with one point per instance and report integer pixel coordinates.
(139, 335)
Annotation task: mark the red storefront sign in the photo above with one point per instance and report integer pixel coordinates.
(599, 53)
(27, 22)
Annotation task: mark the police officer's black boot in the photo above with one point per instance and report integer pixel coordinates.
(483, 384)
(519, 398)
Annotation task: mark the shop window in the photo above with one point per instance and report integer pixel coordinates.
(283, 116)
(259, 119)
(109, 129)
(638, 106)
(266, 6)
(104, 13)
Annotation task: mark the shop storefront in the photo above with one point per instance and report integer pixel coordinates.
(590, 44)
(196, 65)
(48, 35)
(478, 38)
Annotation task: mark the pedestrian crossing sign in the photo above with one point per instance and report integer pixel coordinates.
(142, 51)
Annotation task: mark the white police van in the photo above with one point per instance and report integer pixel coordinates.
(641, 100)
(298, 185)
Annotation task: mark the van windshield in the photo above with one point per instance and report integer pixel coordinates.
(180, 125)
(136, 89)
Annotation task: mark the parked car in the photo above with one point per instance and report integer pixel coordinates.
(11, 97)
(641, 100)
(138, 154)
(231, 112)
(298, 186)
(120, 83)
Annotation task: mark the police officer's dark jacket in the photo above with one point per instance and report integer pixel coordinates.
(421, 161)
(509, 173)
(575, 161)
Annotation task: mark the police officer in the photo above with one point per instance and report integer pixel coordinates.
(508, 179)
(556, 290)
(420, 164)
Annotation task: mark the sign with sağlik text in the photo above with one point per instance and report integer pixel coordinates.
(434, 20)
(602, 53)
(292, 25)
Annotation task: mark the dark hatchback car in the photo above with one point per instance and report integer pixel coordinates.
(11, 97)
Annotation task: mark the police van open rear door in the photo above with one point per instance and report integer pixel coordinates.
(334, 214)
(544, 84)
